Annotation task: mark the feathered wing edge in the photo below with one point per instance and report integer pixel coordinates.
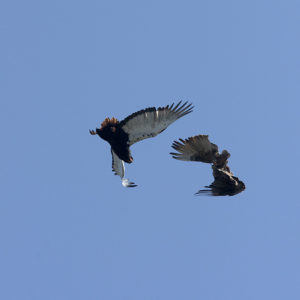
(118, 168)
(207, 192)
(150, 122)
(195, 148)
(180, 110)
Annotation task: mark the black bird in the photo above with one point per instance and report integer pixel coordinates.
(199, 148)
(140, 125)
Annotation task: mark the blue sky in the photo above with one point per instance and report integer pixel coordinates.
(68, 228)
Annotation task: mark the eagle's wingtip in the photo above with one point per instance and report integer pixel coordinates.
(127, 183)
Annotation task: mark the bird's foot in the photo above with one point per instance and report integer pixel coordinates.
(92, 132)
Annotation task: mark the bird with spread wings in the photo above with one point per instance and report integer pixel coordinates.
(138, 126)
(199, 148)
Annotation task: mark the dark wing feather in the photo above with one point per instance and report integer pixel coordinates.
(196, 148)
(151, 121)
(224, 184)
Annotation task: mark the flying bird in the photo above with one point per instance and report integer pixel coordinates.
(199, 148)
(138, 126)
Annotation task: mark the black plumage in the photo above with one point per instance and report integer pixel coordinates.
(199, 148)
(140, 125)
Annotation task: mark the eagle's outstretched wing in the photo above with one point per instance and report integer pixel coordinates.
(119, 169)
(150, 122)
(196, 148)
(199, 148)
(224, 184)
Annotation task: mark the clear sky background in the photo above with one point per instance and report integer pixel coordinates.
(69, 230)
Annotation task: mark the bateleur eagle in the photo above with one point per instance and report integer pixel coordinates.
(138, 126)
(199, 148)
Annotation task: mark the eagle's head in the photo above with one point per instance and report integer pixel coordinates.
(107, 129)
(225, 154)
(111, 132)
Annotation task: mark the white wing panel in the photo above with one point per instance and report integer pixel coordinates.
(118, 168)
(151, 121)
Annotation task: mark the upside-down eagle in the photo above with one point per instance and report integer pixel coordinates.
(199, 148)
(140, 125)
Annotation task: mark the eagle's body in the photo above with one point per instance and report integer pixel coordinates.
(225, 184)
(199, 148)
(112, 132)
(138, 126)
